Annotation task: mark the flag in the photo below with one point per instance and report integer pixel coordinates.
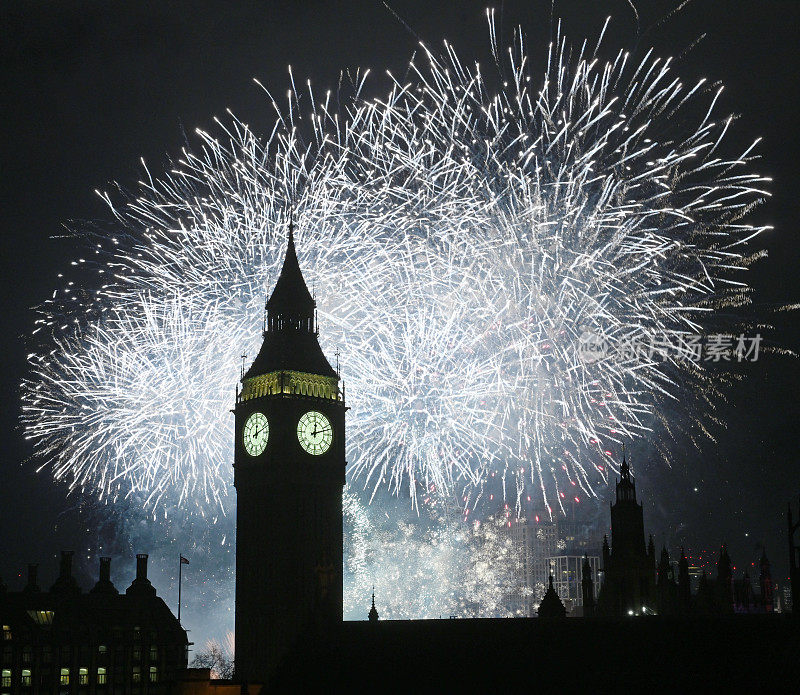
(184, 561)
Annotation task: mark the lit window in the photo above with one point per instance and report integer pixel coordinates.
(137, 674)
(6, 680)
(26, 678)
(101, 676)
(64, 676)
(153, 674)
(41, 617)
(6, 632)
(102, 649)
(83, 676)
(153, 652)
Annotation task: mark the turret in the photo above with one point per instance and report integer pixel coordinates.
(766, 598)
(626, 487)
(587, 588)
(664, 570)
(684, 584)
(551, 606)
(665, 586)
(724, 580)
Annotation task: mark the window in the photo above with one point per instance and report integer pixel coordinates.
(41, 617)
(47, 653)
(6, 632)
(64, 676)
(153, 652)
(137, 633)
(101, 676)
(26, 655)
(102, 649)
(153, 674)
(6, 681)
(137, 653)
(137, 674)
(26, 678)
(7, 654)
(83, 676)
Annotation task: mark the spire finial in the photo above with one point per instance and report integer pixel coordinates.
(373, 612)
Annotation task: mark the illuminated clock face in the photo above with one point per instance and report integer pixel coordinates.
(255, 434)
(315, 432)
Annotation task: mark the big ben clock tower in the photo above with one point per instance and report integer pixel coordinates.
(289, 471)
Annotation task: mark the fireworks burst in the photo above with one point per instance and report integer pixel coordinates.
(440, 567)
(464, 235)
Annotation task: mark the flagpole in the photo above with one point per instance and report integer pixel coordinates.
(180, 580)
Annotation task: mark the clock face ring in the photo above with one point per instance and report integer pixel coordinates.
(255, 434)
(315, 433)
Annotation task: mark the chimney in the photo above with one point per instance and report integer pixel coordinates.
(105, 569)
(104, 585)
(65, 584)
(141, 566)
(141, 586)
(66, 564)
(33, 571)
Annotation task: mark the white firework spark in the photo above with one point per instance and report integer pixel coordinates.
(463, 234)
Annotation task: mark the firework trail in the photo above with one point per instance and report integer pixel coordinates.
(466, 236)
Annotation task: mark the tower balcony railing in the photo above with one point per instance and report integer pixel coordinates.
(290, 382)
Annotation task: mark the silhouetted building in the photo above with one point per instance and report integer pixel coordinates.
(551, 606)
(289, 471)
(64, 641)
(628, 568)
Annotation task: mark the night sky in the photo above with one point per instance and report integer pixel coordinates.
(89, 88)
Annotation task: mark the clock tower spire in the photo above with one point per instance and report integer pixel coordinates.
(289, 471)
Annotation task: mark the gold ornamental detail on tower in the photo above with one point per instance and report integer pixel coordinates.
(289, 382)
